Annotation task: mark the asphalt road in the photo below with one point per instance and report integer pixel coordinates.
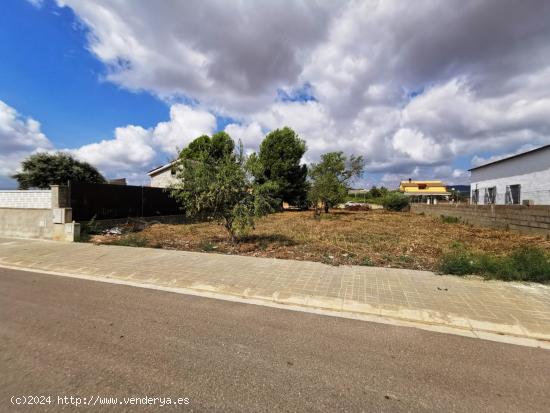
(70, 337)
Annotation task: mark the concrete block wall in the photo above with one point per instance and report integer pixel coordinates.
(31, 199)
(43, 214)
(534, 220)
(26, 223)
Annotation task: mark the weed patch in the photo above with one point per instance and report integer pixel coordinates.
(130, 240)
(91, 226)
(523, 264)
(405, 259)
(208, 246)
(447, 219)
(367, 262)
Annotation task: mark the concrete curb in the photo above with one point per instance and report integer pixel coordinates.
(420, 319)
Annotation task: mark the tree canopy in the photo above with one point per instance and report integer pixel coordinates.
(44, 169)
(278, 164)
(375, 192)
(209, 149)
(331, 177)
(213, 184)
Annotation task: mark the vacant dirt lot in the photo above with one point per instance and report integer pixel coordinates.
(380, 238)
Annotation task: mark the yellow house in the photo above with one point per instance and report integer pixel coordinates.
(423, 188)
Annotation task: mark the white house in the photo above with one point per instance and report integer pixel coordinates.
(522, 178)
(162, 176)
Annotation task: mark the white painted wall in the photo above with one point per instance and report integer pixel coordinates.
(163, 179)
(531, 171)
(26, 199)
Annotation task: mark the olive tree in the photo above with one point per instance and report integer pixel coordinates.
(331, 177)
(216, 186)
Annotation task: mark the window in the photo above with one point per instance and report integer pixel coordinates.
(515, 191)
(490, 195)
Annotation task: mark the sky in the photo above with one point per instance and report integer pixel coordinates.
(424, 89)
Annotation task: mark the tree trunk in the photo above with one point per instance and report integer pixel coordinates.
(317, 213)
(326, 208)
(229, 227)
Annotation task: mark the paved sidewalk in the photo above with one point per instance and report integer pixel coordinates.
(521, 310)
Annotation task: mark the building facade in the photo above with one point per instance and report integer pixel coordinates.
(424, 191)
(519, 179)
(163, 176)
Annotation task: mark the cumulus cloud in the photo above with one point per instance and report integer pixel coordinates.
(130, 150)
(130, 153)
(134, 149)
(250, 135)
(19, 137)
(416, 146)
(185, 124)
(411, 86)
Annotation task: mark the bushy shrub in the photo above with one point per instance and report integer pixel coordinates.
(493, 266)
(458, 261)
(395, 201)
(531, 263)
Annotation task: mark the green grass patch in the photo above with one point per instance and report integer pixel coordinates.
(328, 259)
(405, 259)
(131, 240)
(449, 219)
(367, 262)
(208, 246)
(524, 264)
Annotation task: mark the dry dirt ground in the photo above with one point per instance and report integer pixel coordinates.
(380, 238)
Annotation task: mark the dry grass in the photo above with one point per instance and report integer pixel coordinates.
(380, 238)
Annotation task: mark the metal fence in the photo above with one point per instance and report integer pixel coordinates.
(105, 201)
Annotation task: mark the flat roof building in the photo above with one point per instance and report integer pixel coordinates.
(519, 179)
(429, 191)
(433, 188)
